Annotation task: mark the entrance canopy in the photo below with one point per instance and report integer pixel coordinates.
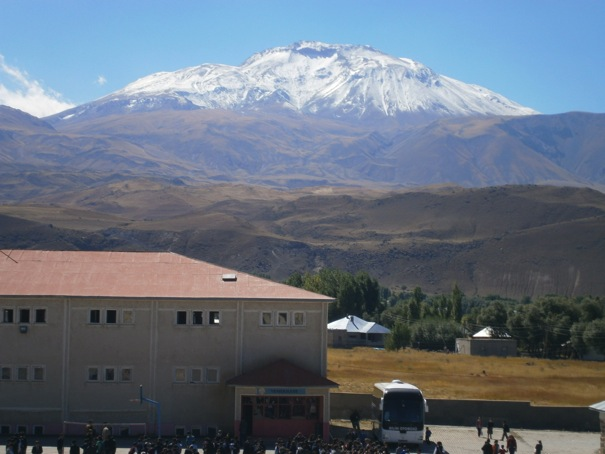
(281, 399)
(282, 373)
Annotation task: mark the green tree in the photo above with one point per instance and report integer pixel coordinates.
(577, 339)
(413, 310)
(350, 296)
(594, 335)
(418, 296)
(457, 296)
(558, 316)
(494, 315)
(295, 280)
(389, 317)
(442, 307)
(435, 334)
(399, 337)
(591, 309)
(370, 290)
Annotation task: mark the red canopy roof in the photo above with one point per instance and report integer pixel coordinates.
(282, 373)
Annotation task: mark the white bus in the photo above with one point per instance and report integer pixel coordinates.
(398, 413)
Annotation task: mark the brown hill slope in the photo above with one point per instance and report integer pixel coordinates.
(285, 150)
(514, 241)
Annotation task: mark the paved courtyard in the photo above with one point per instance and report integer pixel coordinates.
(463, 440)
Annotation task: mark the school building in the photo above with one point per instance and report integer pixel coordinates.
(86, 335)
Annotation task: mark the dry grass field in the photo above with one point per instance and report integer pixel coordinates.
(453, 376)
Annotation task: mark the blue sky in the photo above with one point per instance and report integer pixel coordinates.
(544, 54)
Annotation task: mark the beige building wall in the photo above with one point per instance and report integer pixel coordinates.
(138, 341)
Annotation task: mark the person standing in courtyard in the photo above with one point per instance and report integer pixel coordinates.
(355, 420)
(539, 447)
(439, 448)
(479, 426)
(22, 444)
(37, 448)
(60, 444)
(505, 430)
(427, 435)
(511, 444)
(487, 447)
(495, 447)
(490, 429)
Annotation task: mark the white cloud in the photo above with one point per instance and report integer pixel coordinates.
(28, 95)
(101, 80)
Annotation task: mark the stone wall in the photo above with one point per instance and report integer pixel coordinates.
(465, 412)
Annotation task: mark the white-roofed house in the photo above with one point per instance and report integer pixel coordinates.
(488, 342)
(352, 331)
(600, 407)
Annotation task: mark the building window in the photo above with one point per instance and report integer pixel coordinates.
(110, 374)
(212, 375)
(38, 373)
(298, 319)
(126, 374)
(198, 318)
(196, 375)
(21, 373)
(266, 318)
(282, 319)
(214, 318)
(23, 315)
(128, 316)
(111, 316)
(40, 316)
(93, 374)
(180, 375)
(181, 317)
(8, 316)
(5, 373)
(95, 316)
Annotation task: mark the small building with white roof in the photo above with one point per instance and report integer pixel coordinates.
(488, 342)
(600, 407)
(352, 331)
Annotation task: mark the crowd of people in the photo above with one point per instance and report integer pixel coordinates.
(356, 441)
(507, 443)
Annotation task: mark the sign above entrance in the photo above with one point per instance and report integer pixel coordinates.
(281, 391)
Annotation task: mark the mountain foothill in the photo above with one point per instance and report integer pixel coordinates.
(318, 155)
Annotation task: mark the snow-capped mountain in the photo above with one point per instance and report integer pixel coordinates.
(338, 81)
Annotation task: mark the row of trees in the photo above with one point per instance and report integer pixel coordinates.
(551, 326)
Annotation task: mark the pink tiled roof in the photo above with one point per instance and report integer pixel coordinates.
(281, 373)
(132, 275)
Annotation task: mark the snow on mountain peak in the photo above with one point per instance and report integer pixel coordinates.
(311, 77)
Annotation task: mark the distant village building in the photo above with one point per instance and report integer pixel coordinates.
(87, 335)
(600, 407)
(488, 342)
(352, 331)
